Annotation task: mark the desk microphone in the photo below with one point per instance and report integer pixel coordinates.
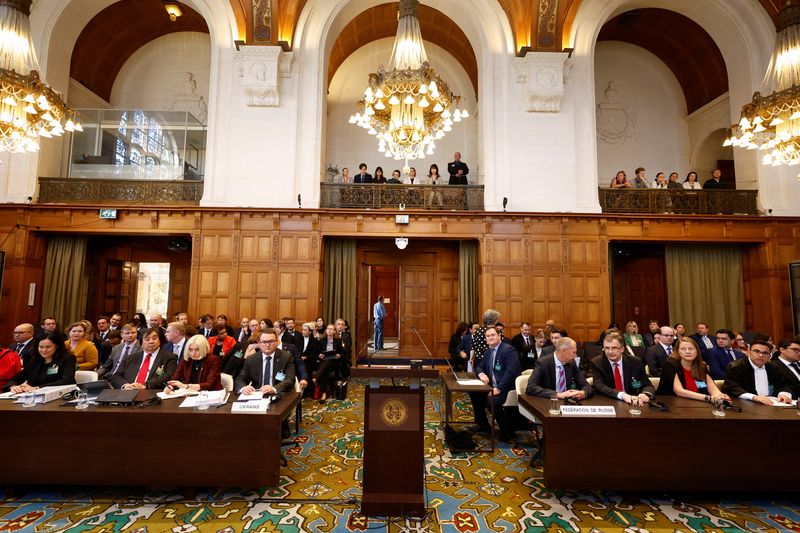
(430, 355)
(572, 401)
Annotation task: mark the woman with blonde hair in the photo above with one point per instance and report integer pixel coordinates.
(84, 350)
(631, 335)
(199, 369)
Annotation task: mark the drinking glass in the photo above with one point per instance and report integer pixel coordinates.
(635, 406)
(202, 401)
(83, 400)
(719, 407)
(555, 407)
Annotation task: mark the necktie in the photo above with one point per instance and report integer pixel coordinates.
(796, 368)
(267, 372)
(494, 380)
(122, 357)
(15, 347)
(730, 353)
(141, 377)
(669, 351)
(618, 378)
(562, 380)
(176, 349)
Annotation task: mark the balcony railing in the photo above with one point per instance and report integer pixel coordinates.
(119, 191)
(377, 196)
(702, 202)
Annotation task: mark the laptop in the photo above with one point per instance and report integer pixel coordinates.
(117, 397)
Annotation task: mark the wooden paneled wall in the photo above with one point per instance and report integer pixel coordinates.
(533, 267)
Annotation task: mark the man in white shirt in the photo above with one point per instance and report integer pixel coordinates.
(788, 363)
(176, 339)
(752, 379)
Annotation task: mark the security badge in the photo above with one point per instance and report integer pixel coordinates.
(53, 370)
(280, 376)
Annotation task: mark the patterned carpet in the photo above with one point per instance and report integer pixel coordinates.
(320, 490)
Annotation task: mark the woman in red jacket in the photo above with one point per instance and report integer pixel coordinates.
(221, 343)
(198, 368)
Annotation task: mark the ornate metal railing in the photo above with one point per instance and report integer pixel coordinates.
(374, 196)
(119, 191)
(678, 201)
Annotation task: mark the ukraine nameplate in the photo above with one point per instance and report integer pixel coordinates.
(254, 406)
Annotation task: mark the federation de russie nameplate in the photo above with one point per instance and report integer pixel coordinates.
(588, 410)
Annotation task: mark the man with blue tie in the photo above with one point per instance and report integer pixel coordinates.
(378, 315)
(657, 354)
(557, 376)
(723, 354)
(499, 369)
(268, 370)
(704, 342)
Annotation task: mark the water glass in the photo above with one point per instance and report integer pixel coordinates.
(28, 399)
(202, 401)
(635, 406)
(83, 400)
(555, 407)
(719, 407)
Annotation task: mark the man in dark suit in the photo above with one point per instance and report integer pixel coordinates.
(268, 362)
(149, 368)
(752, 379)
(458, 170)
(176, 339)
(242, 333)
(115, 322)
(788, 364)
(704, 342)
(300, 371)
(656, 355)
(206, 326)
(297, 337)
(101, 334)
(723, 354)
(649, 336)
(525, 344)
(122, 351)
(498, 368)
(619, 375)
(555, 334)
(23, 342)
(222, 320)
(557, 375)
(363, 176)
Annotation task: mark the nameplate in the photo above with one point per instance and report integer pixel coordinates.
(588, 410)
(255, 406)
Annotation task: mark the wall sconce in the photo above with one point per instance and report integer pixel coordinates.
(401, 242)
(173, 10)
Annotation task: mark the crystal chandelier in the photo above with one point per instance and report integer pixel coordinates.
(29, 108)
(772, 123)
(409, 107)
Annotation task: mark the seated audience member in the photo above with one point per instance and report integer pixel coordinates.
(704, 342)
(723, 354)
(319, 331)
(555, 334)
(395, 179)
(268, 362)
(788, 364)
(83, 349)
(221, 343)
(176, 339)
(499, 369)
(379, 177)
(23, 342)
(129, 345)
(243, 331)
(501, 329)
(300, 372)
(198, 370)
(740, 343)
(51, 365)
(613, 327)
(296, 336)
(205, 326)
(660, 182)
(222, 320)
(525, 344)
(104, 350)
(465, 348)
(310, 348)
(685, 374)
(455, 342)
(680, 331)
(752, 379)
(715, 182)
(557, 376)
(10, 365)
(656, 355)
(330, 357)
(649, 336)
(49, 326)
(149, 368)
(620, 181)
(672, 182)
(619, 375)
(632, 336)
(640, 180)
(233, 364)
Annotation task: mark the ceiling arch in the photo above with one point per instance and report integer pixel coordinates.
(380, 21)
(116, 32)
(682, 44)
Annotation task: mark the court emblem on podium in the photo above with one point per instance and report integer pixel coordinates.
(394, 412)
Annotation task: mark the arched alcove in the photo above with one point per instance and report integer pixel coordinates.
(709, 152)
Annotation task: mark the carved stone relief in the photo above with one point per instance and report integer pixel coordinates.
(543, 73)
(616, 114)
(259, 69)
(188, 99)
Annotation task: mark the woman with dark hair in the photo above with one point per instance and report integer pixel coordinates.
(672, 183)
(660, 181)
(265, 323)
(685, 374)
(455, 342)
(620, 181)
(433, 174)
(330, 358)
(51, 364)
(379, 177)
(691, 181)
(319, 330)
(198, 369)
(140, 321)
(221, 343)
(310, 348)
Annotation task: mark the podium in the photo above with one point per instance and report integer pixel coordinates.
(393, 442)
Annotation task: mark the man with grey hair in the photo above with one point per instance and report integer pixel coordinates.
(557, 376)
(479, 345)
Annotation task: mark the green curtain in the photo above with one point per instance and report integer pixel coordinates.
(468, 281)
(339, 281)
(705, 284)
(65, 280)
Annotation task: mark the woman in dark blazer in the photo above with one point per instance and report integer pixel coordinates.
(198, 369)
(685, 374)
(51, 364)
(330, 357)
(310, 348)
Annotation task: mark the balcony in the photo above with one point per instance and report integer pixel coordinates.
(130, 156)
(380, 196)
(677, 201)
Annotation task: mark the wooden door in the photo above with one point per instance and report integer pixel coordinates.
(640, 289)
(385, 281)
(363, 312)
(416, 284)
(179, 277)
(119, 293)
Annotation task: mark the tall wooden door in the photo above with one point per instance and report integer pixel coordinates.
(640, 289)
(416, 283)
(385, 281)
(120, 287)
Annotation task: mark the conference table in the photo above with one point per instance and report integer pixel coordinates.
(450, 385)
(686, 448)
(158, 446)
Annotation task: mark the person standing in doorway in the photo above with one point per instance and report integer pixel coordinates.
(378, 315)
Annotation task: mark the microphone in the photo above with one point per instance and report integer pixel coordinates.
(505, 202)
(430, 355)
(299, 201)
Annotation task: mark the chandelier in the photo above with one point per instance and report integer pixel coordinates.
(29, 108)
(409, 107)
(772, 123)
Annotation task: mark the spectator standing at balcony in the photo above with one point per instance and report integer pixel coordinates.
(363, 176)
(345, 175)
(660, 182)
(620, 181)
(673, 181)
(395, 179)
(378, 315)
(379, 177)
(411, 177)
(691, 182)
(458, 170)
(714, 182)
(640, 181)
(433, 174)
(434, 179)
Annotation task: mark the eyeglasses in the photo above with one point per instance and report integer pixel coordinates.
(760, 353)
(667, 334)
(267, 342)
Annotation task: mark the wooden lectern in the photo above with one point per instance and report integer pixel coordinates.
(393, 473)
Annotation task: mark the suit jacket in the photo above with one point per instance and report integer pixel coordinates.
(518, 342)
(655, 356)
(294, 337)
(648, 338)
(719, 361)
(60, 371)
(161, 370)
(366, 179)
(238, 331)
(703, 350)
(741, 379)
(310, 355)
(543, 381)
(789, 377)
(454, 166)
(252, 373)
(26, 353)
(116, 353)
(208, 377)
(506, 367)
(634, 378)
(299, 366)
(170, 347)
(672, 368)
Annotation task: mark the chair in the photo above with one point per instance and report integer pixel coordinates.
(520, 385)
(227, 381)
(591, 350)
(511, 399)
(718, 383)
(655, 382)
(85, 376)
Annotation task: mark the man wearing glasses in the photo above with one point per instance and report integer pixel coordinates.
(753, 379)
(268, 370)
(619, 375)
(657, 354)
(788, 363)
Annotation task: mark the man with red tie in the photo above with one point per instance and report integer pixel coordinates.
(149, 368)
(619, 375)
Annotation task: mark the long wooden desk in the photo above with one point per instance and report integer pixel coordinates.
(450, 385)
(687, 448)
(158, 446)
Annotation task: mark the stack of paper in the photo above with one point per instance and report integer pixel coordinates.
(217, 397)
